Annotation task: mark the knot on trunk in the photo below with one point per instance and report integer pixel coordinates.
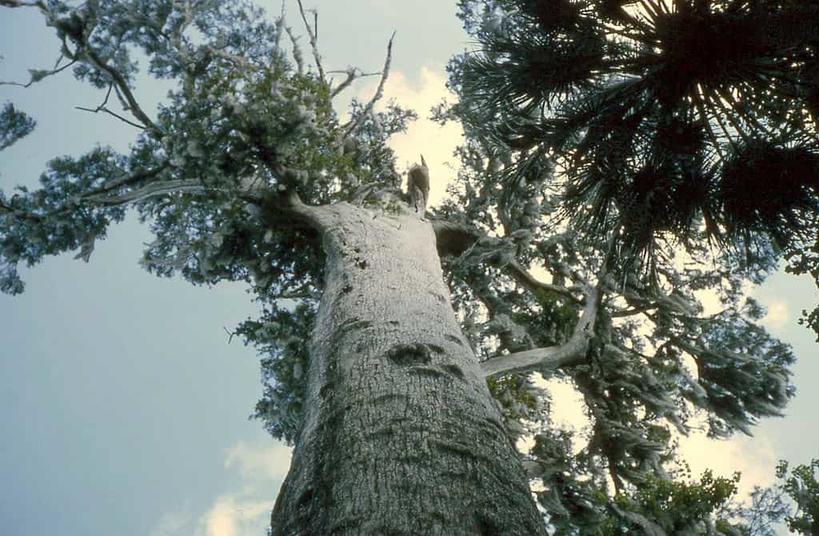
(411, 354)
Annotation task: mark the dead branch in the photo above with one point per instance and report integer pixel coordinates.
(351, 127)
(312, 34)
(298, 57)
(353, 74)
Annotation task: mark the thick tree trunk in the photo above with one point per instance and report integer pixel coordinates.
(400, 435)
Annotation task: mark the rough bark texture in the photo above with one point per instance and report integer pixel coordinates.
(401, 435)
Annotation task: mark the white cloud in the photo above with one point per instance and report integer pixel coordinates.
(259, 461)
(778, 314)
(425, 137)
(173, 524)
(754, 457)
(568, 407)
(241, 512)
(233, 516)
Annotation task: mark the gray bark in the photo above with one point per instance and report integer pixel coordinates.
(400, 433)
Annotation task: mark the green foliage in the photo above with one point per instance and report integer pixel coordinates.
(656, 362)
(802, 486)
(52, 219)
(14, 125)
(280, 335)
(677, 505)
(792, 501)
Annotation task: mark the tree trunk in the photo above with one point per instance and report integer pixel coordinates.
(400, 433)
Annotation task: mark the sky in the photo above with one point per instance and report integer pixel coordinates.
(123, 403)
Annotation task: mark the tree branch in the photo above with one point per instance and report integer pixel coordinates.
(454, 239)
(36, 75)
(114, 114)
(353, 74)
(298, 57)
(151, 190)
(527, 280)
(312, 34)
(552, 357)
(379, 92)
(127, 180)
(21, 3)
(122, 87)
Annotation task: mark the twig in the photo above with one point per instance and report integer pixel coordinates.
(42, 74)
(122, 86)
(118, 116)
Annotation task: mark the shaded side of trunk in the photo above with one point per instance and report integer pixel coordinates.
(401, 435)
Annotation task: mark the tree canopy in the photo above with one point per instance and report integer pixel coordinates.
(623, 161)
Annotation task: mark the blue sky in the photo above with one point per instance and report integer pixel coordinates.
(123, 407)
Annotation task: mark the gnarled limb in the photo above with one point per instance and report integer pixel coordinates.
(552, 357)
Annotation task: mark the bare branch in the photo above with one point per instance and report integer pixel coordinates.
(353, 74)
(280, 27)
(36, 75)
(122, 87)
(298, 57)
(106, 110)
(21, 3)
(552, 357)
(312, 33)
(379, 92)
